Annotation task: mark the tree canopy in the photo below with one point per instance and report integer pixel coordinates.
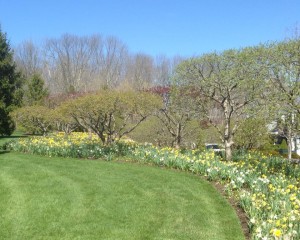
(227, 81)
(10, 86)
(111, 114)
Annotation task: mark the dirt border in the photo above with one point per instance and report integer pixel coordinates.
(238, 209)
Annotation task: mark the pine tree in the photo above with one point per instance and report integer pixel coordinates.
(36, 91)
(10, 86)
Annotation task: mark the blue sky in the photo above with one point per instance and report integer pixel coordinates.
(170, 27)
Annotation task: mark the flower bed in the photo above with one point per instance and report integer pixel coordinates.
(266, 187)
(74, 145)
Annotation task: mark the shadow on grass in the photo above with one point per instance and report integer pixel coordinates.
(4, 152)
(13, 137)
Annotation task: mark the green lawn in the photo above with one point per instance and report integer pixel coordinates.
(55, 198)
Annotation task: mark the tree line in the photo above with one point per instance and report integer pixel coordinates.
(95, 84)
(81, 64)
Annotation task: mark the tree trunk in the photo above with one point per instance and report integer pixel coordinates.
(228, 151)
(178, 137)
(289, 142)
(227, 131)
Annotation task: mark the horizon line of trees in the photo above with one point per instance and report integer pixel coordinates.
(73, 63)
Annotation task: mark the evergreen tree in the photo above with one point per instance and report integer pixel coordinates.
(36, 91)
(10, 86)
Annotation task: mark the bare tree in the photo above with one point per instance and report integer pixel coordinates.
(68, 60)
(28, 58)
(112, 62)
(140, 71)
(163, 71)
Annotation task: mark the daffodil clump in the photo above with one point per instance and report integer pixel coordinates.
(76, 145)
(267, 187)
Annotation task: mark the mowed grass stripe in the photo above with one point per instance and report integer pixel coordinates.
(55, 198)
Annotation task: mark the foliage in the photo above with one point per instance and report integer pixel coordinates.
(35, 119)
(112, 114)
(151, 131)
(284, 65)
(10, 86)
(179, 112)
(207, 135)
(252, 134)
(62, 121)
(230, 82)
(283, 61)
(36, 91)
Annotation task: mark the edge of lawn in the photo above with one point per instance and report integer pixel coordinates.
(241, 214)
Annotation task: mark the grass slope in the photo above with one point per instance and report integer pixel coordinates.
(54, 198)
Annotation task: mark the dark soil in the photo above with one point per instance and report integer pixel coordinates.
(239, 211)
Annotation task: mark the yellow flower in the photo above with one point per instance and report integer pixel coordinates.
(276, 232)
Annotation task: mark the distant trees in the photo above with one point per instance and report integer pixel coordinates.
(81, 64)
(140, 71)
(28, 57)
(72, 64)
(68, 62)
(10, 86)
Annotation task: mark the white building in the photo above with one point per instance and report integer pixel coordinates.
(296, 145)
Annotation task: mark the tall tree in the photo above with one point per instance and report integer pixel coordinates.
(229, 81)
(28, 59)
(112, 62)
(283, 60)
(67, 62)
(82, 64)
(140, 71)
(10, 86)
